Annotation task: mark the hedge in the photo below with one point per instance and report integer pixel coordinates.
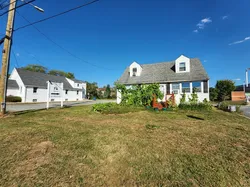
(11, 98)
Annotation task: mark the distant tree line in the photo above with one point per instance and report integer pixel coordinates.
(105, 93)
(42, 69)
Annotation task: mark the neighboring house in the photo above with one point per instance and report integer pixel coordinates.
(179, 76)
(32, 86)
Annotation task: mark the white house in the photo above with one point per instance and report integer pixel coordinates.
(32, 86)
(181, 75)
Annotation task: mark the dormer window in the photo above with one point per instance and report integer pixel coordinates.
(134, 71)
(182, 66)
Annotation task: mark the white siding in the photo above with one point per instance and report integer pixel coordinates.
(72, 96)
(13, 92)
(179, 60)
(40, 96)
(137, 66)
(21, 92)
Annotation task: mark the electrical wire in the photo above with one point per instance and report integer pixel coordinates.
(16, 7)
(2, 7)
(56, 15)
(14, 54)
(61, 47)
(30, 54)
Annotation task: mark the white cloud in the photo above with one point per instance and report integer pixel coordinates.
(203, 22)
(196, 31)
(17, 54)
(224, 17)
(238, 79)
(206, 20)
(240, 41)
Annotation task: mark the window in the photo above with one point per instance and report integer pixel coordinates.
(196, 86)
(77, 93)
(52, 100)
(176, 88)
(35, 90)
(66, 99)
(182, 66)
(34, 100)
(205, 86)
(185, 87)
(66, 92)
(134, 71)
(77, 85)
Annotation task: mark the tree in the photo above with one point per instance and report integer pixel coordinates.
(213, 94)
(70, 75)
(92, 89)
(61, 73)
(107, 92)
(35, 68)
(224, 88)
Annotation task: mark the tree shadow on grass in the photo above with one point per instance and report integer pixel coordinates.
(195, 117)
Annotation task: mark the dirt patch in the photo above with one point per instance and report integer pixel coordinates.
(37, 156)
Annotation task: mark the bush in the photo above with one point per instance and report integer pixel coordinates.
(195, 106)
(11, 98)
(139, 95)
(223, 106)
(113, 108)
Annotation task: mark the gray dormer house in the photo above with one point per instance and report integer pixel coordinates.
(181, 75)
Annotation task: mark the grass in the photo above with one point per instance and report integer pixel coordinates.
(78, 147)
(232, 102)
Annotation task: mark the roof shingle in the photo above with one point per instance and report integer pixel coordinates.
(38, 79)
(12, 84)
(165, 72)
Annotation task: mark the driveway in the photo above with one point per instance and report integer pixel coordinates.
(245, 110)
(16, 107)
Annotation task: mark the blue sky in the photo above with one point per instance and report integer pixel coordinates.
(113, 33)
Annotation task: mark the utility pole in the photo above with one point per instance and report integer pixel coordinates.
(6, 55)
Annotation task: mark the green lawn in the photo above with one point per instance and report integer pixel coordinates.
(78, 147)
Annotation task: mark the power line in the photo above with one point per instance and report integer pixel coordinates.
(13, 52)
(56, 15)
(4, 6)
(30, 54)
(17, 7)
(61, 47)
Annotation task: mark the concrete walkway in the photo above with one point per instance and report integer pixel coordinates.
(16, 107)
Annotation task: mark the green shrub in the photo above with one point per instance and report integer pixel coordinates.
(224, 105)
(183, 98)
(194, 98)
(195, 106)
(139, 95)
(11, 98)
(113, 108)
